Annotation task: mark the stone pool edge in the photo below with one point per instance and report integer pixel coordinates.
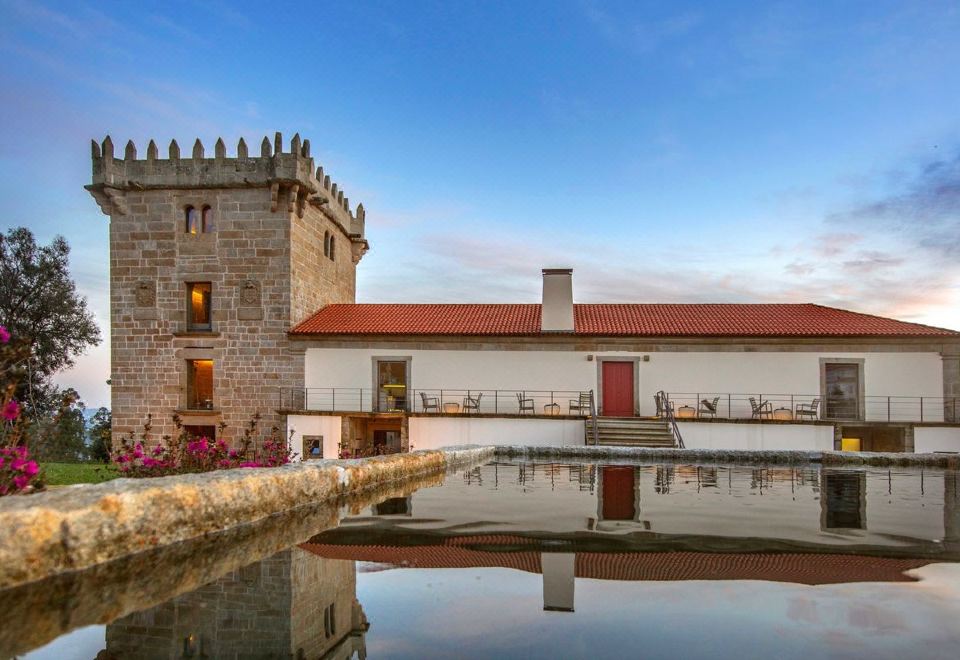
(735, 456)
(81, 526)
(77, 527)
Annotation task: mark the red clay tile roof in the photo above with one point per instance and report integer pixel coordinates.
(646, 566)
(644, 320)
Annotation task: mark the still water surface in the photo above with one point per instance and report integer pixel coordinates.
(518, 560)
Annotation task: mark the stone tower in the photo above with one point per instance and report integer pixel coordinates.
(212, 261)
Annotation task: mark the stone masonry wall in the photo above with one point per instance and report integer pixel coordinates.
(265, 260)
(315, 279)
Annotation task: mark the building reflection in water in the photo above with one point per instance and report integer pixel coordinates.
(294, 604)
(843, 500)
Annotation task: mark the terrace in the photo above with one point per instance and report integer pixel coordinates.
(687, 406)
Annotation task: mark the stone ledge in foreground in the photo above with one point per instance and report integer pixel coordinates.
(81, 526)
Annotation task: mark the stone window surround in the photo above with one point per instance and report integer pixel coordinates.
(185, 281)
(190, 327)
(186, 355)
(861, 393)
(200, 205)
(375, 395)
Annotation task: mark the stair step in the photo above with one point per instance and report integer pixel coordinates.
(609, 443)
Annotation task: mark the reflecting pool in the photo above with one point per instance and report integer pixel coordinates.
(525, 559)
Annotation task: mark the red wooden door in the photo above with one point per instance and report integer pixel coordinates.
(618, 389)
(618, 493)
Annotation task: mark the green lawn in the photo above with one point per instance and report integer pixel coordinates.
(62, 474)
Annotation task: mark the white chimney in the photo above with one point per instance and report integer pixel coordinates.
(556, 312)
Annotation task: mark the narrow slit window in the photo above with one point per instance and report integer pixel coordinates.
(332, 256)
(199, 302)
(206, 220)
(326, 244)
(200, 384)
(192, 220)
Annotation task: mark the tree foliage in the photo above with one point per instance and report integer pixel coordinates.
(62, 437)
(40, 306)
(100, 429)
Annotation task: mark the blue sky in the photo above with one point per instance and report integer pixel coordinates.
(724, 152)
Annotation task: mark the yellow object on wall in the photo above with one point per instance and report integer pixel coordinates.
(850, 444)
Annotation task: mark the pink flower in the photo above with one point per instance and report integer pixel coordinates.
(157, 450)
(249, 464)
(30, 468)
(21, 481)
(11, 411)
(4, 335)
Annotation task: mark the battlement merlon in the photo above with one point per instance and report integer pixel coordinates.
(290, 176)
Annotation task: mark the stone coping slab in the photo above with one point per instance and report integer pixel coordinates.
(731, 456)
(81, 526)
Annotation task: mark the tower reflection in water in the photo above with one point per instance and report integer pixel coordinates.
(294, 604)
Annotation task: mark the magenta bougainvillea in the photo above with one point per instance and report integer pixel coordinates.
(185, 453)
(17, 471)
(18, 474)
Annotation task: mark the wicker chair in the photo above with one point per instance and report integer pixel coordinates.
(472, 403)
(811, 409)
(430, 403)
(582, 405)
(525, 403)
(758, 410)
(708, 408)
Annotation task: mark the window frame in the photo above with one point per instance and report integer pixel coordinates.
(193, 400)
(207, 224)
(191, 225)
(192, 326)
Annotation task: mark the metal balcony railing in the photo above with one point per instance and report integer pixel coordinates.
(813, 407)
(535, 403)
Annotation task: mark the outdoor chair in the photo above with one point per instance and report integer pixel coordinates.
(708, 408)
(758, 410)
(582, 405)
(472, 402)
(662, 402)
(811, 409)
(525, 403)
(430, 402)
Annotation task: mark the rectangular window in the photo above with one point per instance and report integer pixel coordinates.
(200, 384)
(391, 385)
(197, 432)
(842, 395)
(312, 446)
(199, 296)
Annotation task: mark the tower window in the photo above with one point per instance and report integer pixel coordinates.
(331, 255)
(326, 244)
(200, 384)
(192, 220)
(206, 220)
(199, 295)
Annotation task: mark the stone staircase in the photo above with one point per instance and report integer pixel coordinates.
(630, 432)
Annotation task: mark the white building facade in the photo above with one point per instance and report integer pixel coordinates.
(735, 376)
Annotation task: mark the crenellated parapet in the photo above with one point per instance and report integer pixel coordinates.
(291, 176)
